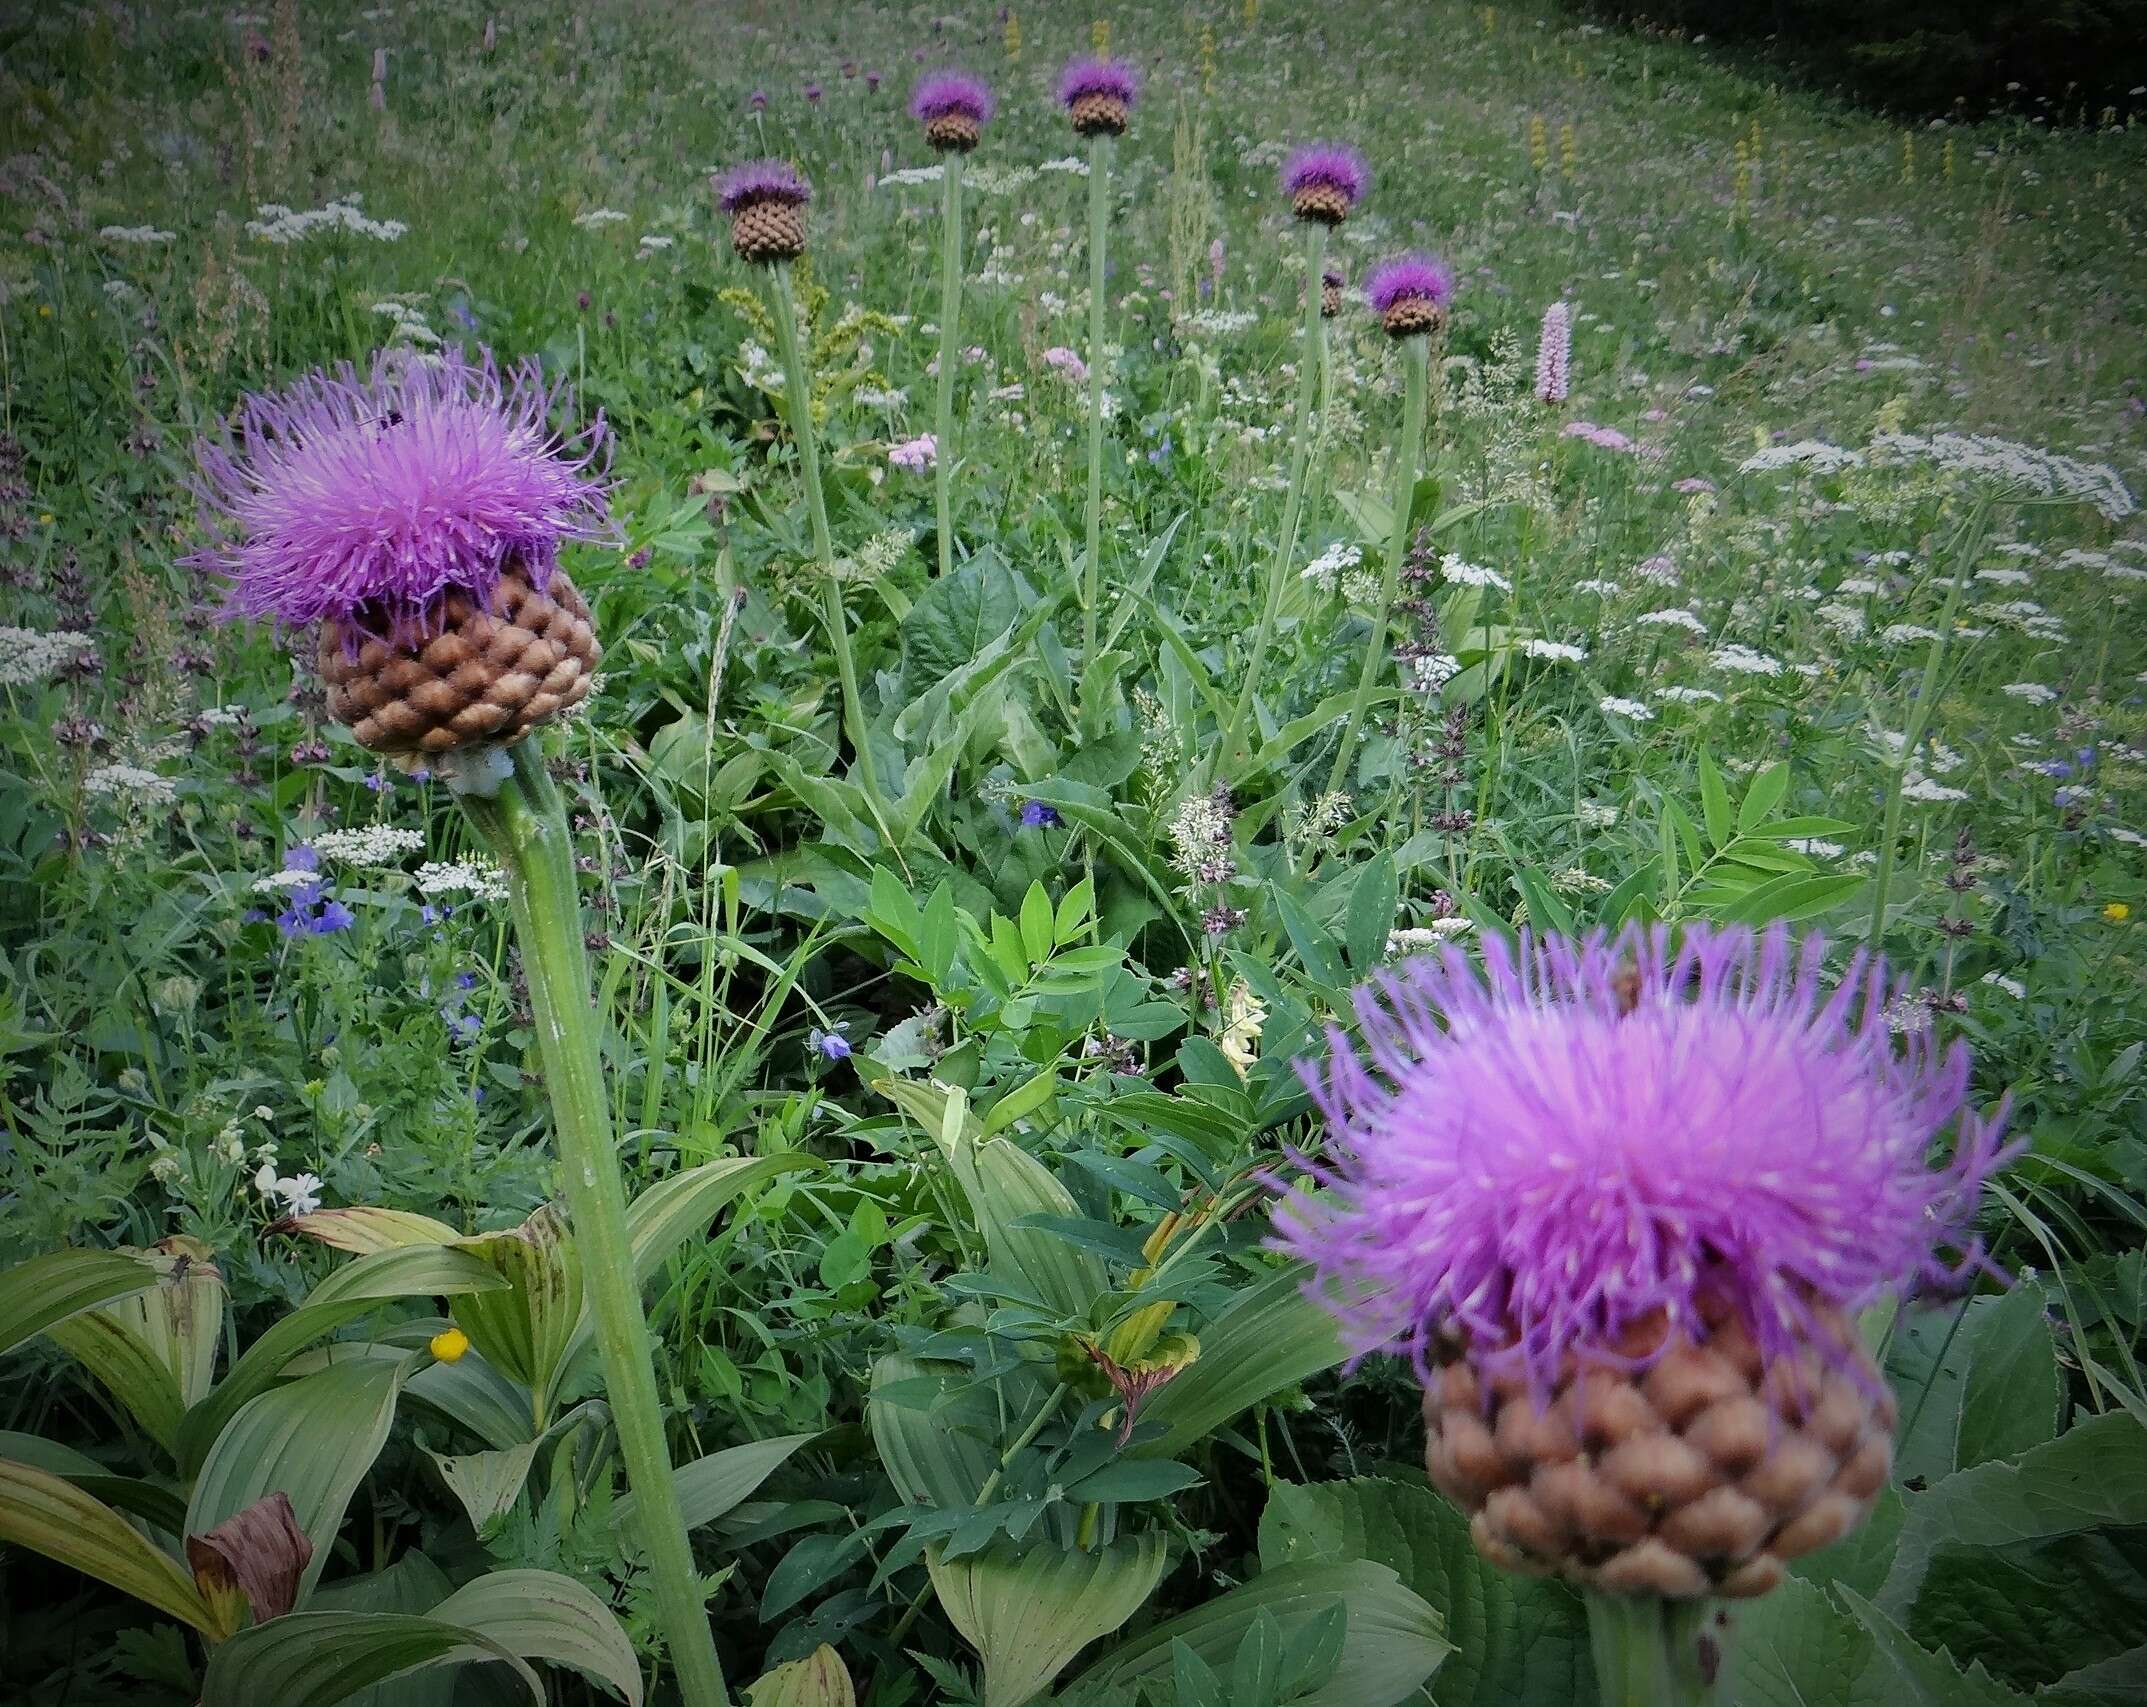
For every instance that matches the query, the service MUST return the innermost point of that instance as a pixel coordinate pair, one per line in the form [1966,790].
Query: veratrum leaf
[935,1455]
[48,1289]
[44,1514]
[417,1271]
[817,1680]
[1005,1184]
[155,1351]
[1518,1641]
[1028,1610]
[712,1487]
[1270,1337]
[1393,1643]
[312,1440]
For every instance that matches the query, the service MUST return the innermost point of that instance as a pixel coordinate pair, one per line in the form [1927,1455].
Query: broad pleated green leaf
[934,1454]
[35,1295]
[1028,1610]
[414,1271]
[46,1514]
[712,1487]
[1271,1337]
[313,1440]
[818,1680]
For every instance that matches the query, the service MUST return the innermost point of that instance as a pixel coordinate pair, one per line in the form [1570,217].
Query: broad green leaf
[2091,1477]
[2119,1682]
[1004,1185]
[1796,1648]
[1373,901]
[1920,1678]
[487,1483]
[957,616]
[356,1289]
[1762,797]
[1022,1101]
[818,1680]
[525,1332]
[46,1514]
[312,1440]
[1518,1641]
[35,1295]
[1270,1337]
[2014,1389]
[155,1350]
[2030,1613]
[711,1487]
[1393,1643]
[364,1230]
[1547,910]
[316,1659]
[412,1584]
[1028,1610]
[126,1366]
[1714,801]
[939,1452]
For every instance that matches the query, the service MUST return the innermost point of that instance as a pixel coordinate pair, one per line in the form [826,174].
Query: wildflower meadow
[1145,856]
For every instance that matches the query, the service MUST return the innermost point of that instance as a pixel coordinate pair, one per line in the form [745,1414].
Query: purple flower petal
[946,93]
[1091,76]
[1327,165]
[762,181]
[1415,274]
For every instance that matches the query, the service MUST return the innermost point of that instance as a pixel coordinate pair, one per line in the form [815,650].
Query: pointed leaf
[818,1680]
[1270,1337]
[1028,1611]
[364,1230]
[48,1289]
[45,1514]
[712,1487]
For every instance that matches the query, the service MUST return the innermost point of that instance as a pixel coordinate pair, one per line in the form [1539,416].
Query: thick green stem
[1099,208]
[798,404]
[1416,358]
[1968,547]
[526,827]
[950,313]
[1310,359]
[1651,1652]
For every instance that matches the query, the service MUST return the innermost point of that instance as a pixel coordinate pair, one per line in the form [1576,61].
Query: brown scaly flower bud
[766,201]
[954,109]
[1098,95]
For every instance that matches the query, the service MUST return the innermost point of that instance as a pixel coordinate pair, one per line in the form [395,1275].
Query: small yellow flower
[2117,912]
[448,1347]
[44,311]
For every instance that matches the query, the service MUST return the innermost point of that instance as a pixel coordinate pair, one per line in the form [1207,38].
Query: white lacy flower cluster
[28,655]
[275,223]
[1218,322]
[143,234]
[599,217]
[368,844]
[478,879]
[2020,467]
[1815,454]
[131,786]
[1464,574]
[1329,569]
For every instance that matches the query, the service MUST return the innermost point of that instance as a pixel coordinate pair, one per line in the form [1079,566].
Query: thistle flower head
[1327,166]
[1089,75]
[763,181]
[1585,1138]
[367,497]
[952,94]
[1416,276]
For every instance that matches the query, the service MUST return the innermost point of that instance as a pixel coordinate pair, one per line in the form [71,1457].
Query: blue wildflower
[1035,815]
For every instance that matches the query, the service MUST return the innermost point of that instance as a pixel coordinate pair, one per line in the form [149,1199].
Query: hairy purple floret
[367,497]
[942,93]
[762,181]
[1328,165]
[1416,274]
[1553,1143]
[1091,76]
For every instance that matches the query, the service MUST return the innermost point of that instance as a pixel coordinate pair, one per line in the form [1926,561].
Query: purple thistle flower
[368,498]
[1329,166]
[763,181]
[1088,75]
[1587,1134]
[1416,275]
[945,94]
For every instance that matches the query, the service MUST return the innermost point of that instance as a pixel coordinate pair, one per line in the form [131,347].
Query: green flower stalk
[415,512]
[954,109]
[1410,295]
[1324,183]
[766,202]
[1098,95]
[1652,1652]
[525,825]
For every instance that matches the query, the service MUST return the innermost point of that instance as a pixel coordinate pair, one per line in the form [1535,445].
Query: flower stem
[1968,546]
[1310,359]
[798,404]
[1416,358]
[950,311]
[1651,1652]
[1099,207]
[526,826]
